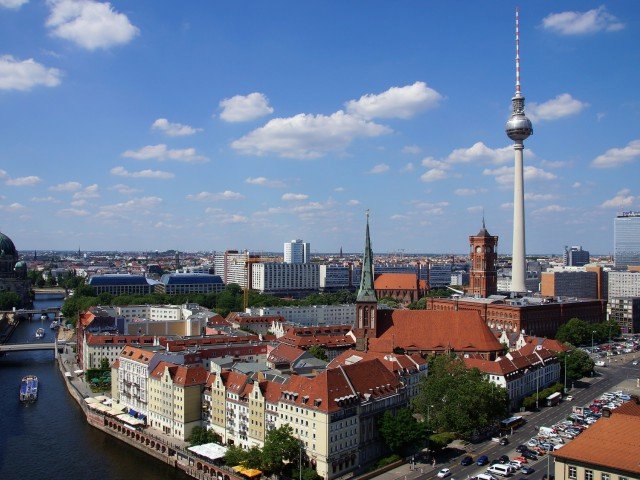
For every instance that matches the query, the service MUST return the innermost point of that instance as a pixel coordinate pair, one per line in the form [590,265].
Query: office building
[122,284]
[297,251]
[575,256]
[623,284]
[569,283]
[625,311]
[234,267]
[626,239]
[177,283]
[285,278]
[310,316]
[335,277]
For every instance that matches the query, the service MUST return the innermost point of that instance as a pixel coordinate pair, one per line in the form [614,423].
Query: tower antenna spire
[517,51]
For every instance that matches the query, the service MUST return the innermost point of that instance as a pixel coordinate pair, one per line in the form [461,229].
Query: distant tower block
[518,129]
[483,280]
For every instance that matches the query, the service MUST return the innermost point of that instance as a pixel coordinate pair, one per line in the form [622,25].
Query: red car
[521,459]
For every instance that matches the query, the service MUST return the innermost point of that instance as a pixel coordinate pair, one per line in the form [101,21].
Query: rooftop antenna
[517,51]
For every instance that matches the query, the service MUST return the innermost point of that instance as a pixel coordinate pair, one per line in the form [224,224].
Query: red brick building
[402,287]
[483,279]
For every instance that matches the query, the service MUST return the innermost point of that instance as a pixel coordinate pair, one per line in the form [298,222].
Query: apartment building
[624,284]
[625,311]
[234,266]
[285,278]
[97,347]
[175,398]
[131,380]
[310,316]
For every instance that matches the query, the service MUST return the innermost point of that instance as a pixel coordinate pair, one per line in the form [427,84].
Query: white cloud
[539,197]
[26,74]
[78,203]
[294,197]
[576,185]
[209,197]
[399,216]
[3,174]
[307,136]
[433,174]
[245,108]
[174,129]
[162,153]
[431,162]
[507,206]
[156,174]
[614,157]
[397,102]
[550,209]
[581,23]
[563,105]
[411,149]
[475,209]
[353,203]
[265,182]
[24,181]
[141,206]
[72,212]
[14,207]
[66,187]
[124,189]
[222,217]
[466,192]
[48,199]
[504,175]
[88,192]
[622,199]
[13,4]
[409,167]
[479,152]
[380,168]
[89,24]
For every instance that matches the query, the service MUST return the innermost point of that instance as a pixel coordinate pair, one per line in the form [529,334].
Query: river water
[50,438]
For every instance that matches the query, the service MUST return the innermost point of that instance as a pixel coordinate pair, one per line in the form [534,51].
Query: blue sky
[211,125]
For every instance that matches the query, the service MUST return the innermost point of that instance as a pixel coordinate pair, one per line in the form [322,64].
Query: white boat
[44,316]
[55,325]
[40,333]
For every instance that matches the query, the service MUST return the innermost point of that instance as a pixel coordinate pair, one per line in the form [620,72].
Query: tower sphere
[518,126]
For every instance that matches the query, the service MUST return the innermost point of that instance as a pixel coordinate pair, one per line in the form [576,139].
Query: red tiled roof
[271,391]
[397,281]
[93,339]
[610,444]
[136,354]
[189,375]
[394,362]
[284,353]
[235,381]
[430,330]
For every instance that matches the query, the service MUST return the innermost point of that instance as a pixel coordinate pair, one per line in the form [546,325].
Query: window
[588,475]
[605,476]
[573,473]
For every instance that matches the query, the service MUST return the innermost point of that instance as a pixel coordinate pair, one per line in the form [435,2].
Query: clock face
[478,249]
[489,249]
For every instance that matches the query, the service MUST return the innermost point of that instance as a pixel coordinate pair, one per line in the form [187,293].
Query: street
[605,380]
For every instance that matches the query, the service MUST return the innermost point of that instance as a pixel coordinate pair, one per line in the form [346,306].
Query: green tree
[575,331]
[9,300]
[200,435]
[579,364]
[318,352]
[84,291]
[459,400]
[254,458]
[390,302]
[104,364]
[234,456]
[280,446]
[401,430]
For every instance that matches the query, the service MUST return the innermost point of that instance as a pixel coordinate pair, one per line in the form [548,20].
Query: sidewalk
[406,472]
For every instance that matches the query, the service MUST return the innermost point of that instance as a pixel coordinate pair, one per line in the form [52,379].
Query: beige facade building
[175,398]
[132,378]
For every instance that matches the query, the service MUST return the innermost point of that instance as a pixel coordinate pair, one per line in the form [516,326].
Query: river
[50,438]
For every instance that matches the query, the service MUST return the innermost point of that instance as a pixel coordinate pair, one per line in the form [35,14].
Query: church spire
[366,293]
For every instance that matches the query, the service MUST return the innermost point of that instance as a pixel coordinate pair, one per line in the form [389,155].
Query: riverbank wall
[156,446]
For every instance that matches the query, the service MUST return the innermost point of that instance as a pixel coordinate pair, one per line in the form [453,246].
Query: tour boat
[40,333]
[29,388]
[55,325]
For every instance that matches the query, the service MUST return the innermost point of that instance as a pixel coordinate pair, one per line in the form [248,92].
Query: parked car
[445,472]
[521,448]
[529,455]
[527,470]
[482,460]
[466,461]
[569,398]
[503,459]
[504,441]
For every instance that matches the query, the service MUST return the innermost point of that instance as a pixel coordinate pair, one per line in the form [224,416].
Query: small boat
[44,316]
[40,333]
[29,389]
[55,325]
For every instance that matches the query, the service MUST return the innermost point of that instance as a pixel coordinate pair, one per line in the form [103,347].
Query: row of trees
[9,300]
[578,332]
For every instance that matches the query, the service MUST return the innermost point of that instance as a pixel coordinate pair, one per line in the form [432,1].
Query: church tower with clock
[483,280]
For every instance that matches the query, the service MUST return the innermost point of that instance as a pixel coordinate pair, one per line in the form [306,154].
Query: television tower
[518,129]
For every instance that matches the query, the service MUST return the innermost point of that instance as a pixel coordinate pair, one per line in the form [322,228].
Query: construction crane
[247,262]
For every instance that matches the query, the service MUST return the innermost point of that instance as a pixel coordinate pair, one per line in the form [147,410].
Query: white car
[569,398]
[635,362]
[445,472]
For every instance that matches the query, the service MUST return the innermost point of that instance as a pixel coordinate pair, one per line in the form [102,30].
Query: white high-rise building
[234,267]
[285,278]
[297,251]
[518,129]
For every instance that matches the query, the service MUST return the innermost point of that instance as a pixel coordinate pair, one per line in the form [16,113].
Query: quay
[165,449]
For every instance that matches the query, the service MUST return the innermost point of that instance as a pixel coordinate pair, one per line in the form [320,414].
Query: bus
[554,399]
[509,424]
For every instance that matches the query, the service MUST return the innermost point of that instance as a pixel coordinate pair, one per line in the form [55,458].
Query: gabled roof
[137,354]
[181,375]
[611,443]
[393,362]
[431,330]
[398,281]
[285,353]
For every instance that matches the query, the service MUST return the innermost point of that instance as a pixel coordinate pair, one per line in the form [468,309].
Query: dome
[518,127]
[20,265]
[7,248]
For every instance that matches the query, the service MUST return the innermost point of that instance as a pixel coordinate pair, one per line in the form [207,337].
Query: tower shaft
[518,257]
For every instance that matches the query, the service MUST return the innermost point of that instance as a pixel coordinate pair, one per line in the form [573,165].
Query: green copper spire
[366,293]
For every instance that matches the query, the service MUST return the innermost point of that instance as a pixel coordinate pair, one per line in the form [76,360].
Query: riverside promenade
[164,448]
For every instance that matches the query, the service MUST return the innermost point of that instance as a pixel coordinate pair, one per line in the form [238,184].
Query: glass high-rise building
[297,251]
[626,239]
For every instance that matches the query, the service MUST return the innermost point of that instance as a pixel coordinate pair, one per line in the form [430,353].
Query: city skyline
[144,127]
